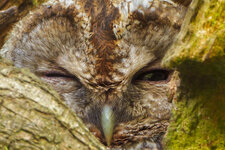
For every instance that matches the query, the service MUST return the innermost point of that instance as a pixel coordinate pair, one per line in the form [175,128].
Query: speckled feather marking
[94,50]
[112,56]
[103,39]
[110,21]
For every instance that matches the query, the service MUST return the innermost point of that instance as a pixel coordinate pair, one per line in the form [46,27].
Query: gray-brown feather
[98,47]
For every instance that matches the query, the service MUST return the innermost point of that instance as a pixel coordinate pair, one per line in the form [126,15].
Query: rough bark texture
[33,117]
[198,120]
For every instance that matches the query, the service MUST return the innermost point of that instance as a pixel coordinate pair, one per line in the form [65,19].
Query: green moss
[32,2]
[205,37]
[197,124]
[198,120]
[37,2]
[5,148]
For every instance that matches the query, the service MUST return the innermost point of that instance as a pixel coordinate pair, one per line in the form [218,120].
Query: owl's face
[104,59]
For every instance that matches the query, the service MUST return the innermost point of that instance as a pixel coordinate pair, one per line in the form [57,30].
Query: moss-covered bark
[198,120]
[33,117]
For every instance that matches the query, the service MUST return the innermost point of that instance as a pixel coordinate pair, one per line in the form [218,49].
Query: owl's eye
[154,75]
[61,80]
[56,75]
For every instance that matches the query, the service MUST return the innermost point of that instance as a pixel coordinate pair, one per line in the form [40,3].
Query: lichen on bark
[198,120]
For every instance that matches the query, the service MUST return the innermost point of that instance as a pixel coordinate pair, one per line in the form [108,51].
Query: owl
[104,57]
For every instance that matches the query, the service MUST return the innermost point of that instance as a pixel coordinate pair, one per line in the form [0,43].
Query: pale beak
[107,122]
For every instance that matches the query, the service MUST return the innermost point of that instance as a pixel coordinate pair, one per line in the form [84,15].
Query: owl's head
[104,58]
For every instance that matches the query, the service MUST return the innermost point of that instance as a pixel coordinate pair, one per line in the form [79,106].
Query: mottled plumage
[99,53]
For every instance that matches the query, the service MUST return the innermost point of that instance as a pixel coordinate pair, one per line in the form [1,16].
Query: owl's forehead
[163,9]
[123,36]
[118,37]
[107,41]
[128,5]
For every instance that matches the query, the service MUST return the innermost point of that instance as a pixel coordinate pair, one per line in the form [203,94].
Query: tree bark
[198,120]
[32,116]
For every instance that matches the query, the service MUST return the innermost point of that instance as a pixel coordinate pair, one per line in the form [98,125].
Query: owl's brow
[102,15]
[155,64]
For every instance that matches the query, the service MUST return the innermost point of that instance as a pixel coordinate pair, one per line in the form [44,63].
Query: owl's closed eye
[104,59]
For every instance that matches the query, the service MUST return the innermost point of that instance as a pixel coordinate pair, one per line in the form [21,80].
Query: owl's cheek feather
[132,133]
[136,134]
[96,132]
[140,113]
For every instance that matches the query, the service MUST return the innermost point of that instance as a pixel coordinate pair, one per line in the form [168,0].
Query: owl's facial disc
[104,59]
[106,116]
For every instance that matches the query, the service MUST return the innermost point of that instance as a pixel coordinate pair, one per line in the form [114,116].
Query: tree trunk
[198,120]
[32,116]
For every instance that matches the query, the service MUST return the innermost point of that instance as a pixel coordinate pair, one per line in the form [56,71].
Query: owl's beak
[107,122]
